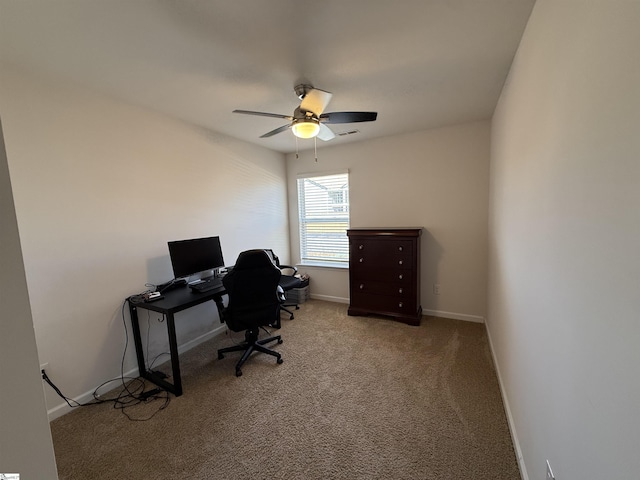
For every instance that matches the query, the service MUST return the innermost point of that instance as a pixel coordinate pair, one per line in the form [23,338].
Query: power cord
[133,391]
[129,396]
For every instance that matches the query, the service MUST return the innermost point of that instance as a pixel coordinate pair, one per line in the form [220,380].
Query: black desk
[174,301]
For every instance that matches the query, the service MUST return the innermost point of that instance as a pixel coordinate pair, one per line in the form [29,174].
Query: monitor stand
[203,276]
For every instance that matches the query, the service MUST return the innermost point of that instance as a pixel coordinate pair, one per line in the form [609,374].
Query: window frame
[335,254]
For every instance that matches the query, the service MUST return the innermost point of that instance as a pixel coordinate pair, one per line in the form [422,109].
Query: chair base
[277,324]
[250,345]
[283,307]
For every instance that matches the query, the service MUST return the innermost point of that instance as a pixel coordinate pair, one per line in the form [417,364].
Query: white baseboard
[63,408]
[454,316]
[202,338]
[505,401]
[329,298]
[435,313]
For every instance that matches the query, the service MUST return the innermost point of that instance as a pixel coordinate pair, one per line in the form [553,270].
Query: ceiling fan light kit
[305,128]
[308,119]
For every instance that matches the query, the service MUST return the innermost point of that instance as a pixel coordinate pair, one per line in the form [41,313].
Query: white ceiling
[420,64]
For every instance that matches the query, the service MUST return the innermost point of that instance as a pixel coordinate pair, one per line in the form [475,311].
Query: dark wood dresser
[384,273]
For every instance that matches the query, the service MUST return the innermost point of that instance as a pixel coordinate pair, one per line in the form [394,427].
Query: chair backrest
[252,287]
[274,258]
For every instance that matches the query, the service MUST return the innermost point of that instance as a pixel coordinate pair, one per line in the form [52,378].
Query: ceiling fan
[309,120]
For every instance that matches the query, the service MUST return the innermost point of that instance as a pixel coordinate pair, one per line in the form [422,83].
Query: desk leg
[220,305]
[176,387]
[173,349]
[137,339]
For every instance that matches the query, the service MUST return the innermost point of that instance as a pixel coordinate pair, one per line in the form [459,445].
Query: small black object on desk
[171,285]
[153,298]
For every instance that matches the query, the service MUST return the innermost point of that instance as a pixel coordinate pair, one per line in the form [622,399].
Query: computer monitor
[196,255]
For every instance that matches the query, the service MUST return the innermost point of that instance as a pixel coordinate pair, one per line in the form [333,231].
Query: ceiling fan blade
[325,133]
[348,117]
[264,114]
[315,101]
[276,131]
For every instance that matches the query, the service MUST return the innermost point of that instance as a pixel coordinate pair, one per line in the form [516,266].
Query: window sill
[338,266]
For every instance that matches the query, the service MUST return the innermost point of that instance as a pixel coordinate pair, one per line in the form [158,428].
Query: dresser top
[390,231]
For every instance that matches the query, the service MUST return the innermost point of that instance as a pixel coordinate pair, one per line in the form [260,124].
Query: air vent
[350,132]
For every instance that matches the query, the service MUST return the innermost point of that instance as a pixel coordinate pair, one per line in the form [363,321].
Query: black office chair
[287,282]
[254,301]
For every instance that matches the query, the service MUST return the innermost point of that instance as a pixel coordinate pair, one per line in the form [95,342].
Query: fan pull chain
[296,146]
[315,148]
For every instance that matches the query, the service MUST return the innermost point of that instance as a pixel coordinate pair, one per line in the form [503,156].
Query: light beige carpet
[356,398]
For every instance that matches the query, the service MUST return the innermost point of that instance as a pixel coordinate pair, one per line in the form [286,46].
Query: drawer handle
[361,260]
[362,286]
[400,304]
[399,262]
[400,277]
[361,247]
[399,290]
[400,248]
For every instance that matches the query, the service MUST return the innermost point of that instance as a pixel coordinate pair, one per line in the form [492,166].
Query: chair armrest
[284,267]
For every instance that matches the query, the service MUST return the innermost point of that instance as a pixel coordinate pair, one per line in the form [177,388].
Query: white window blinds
[323,208]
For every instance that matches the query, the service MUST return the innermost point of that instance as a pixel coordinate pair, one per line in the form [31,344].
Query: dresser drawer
[383,304]
[401,291]
[398,276]
[382,260]
[360,245]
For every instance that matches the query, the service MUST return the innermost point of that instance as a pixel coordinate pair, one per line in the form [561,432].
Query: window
[323,209]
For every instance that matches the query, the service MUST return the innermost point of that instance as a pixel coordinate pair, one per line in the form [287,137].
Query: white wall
[99,188]
[564,288]
[25,438]
[436,179]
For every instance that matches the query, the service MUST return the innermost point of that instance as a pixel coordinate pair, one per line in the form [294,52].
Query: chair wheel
[220,356]
[238,373]
[279,340]
[291,317]
[280,360]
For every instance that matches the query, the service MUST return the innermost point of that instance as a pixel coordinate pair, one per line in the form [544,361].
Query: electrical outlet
[436,289]
[549,472]
[43,367]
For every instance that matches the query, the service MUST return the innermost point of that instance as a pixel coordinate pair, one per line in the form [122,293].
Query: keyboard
[207,285]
